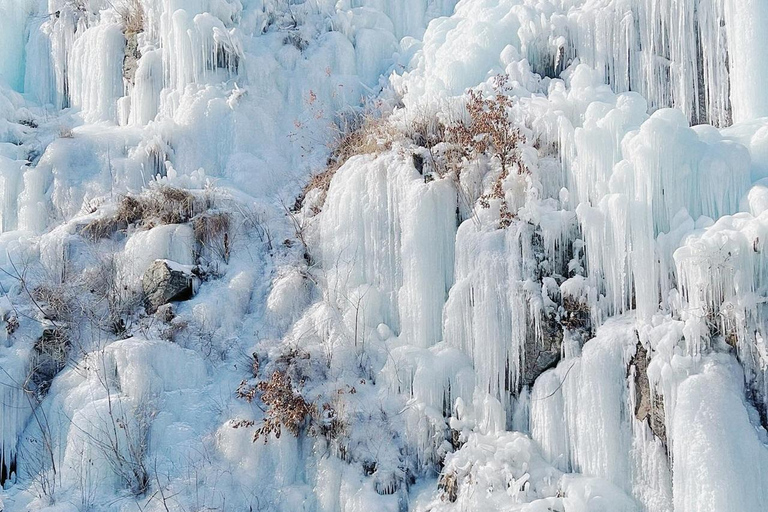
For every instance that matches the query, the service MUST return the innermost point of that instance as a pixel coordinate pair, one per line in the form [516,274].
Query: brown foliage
[286,407]
[449,485]
[372,135]
[576,315]
[165,205]
[131,14]
[491,132]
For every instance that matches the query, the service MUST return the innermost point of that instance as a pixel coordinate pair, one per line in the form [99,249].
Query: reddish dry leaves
[490,132]
[286,408]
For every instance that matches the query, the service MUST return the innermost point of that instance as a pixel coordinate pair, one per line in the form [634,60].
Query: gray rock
[49,358]
[541,355]
[165,282]
[132,56]
[647,405]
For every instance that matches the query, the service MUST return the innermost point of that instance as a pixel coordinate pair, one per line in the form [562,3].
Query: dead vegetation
[364,135]
[449,486]
[131,13]
[286,407]
[575,315]
[56,302]
[50,356]
[212,232]
[486,130]
[489,131]
[161,206]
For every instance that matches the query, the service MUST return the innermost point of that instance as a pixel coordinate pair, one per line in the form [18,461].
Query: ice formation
[574,323]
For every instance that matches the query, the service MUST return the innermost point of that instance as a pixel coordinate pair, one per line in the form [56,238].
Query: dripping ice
[604,350]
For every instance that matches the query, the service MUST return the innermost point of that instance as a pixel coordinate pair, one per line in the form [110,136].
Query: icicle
[15,405]
[747,23]
[96,72]
[145,97]
[13,20]
[385,229]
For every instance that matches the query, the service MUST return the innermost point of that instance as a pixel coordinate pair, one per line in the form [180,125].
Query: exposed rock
[449,485]
[132,56]
[50,357]
[166,281]
[646,404]
[541,355]
[418,162]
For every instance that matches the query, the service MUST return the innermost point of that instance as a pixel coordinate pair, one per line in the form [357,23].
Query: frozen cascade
[13,14]
[673,52]
[580,419]
[16,405]
[376,231]
[747,57]
[651,190]
[486,315]
[585,333]
[95,74]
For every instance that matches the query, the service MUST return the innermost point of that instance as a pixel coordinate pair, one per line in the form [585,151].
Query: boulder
[167,281]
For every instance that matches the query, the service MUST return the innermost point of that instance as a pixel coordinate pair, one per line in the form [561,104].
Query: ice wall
[381,227]
[409,284]
[14,14]
[748,57]
[95,72]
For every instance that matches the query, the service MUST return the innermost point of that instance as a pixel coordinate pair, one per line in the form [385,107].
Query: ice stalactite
[13,19]
[734,460]
[577,412]
[670,173]
[722,285]
[748,57]
[486,314]
[409,18]
[10,173]
[581,418]
[96,72]
[197,48]
[673,52]
[49,49]
[147,88]
[434,380]
[381,223]
[15,400]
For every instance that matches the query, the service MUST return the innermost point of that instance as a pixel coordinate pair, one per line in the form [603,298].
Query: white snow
[468,340]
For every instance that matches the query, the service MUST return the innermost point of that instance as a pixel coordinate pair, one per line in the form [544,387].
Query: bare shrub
[50,356]
[286,407]
[131,14]
[172,205]
[213,232]
[163,205]
[124,444]
[109,304]
[489,131]
[131,210]
[56,301]
[576,314]
[364,135]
